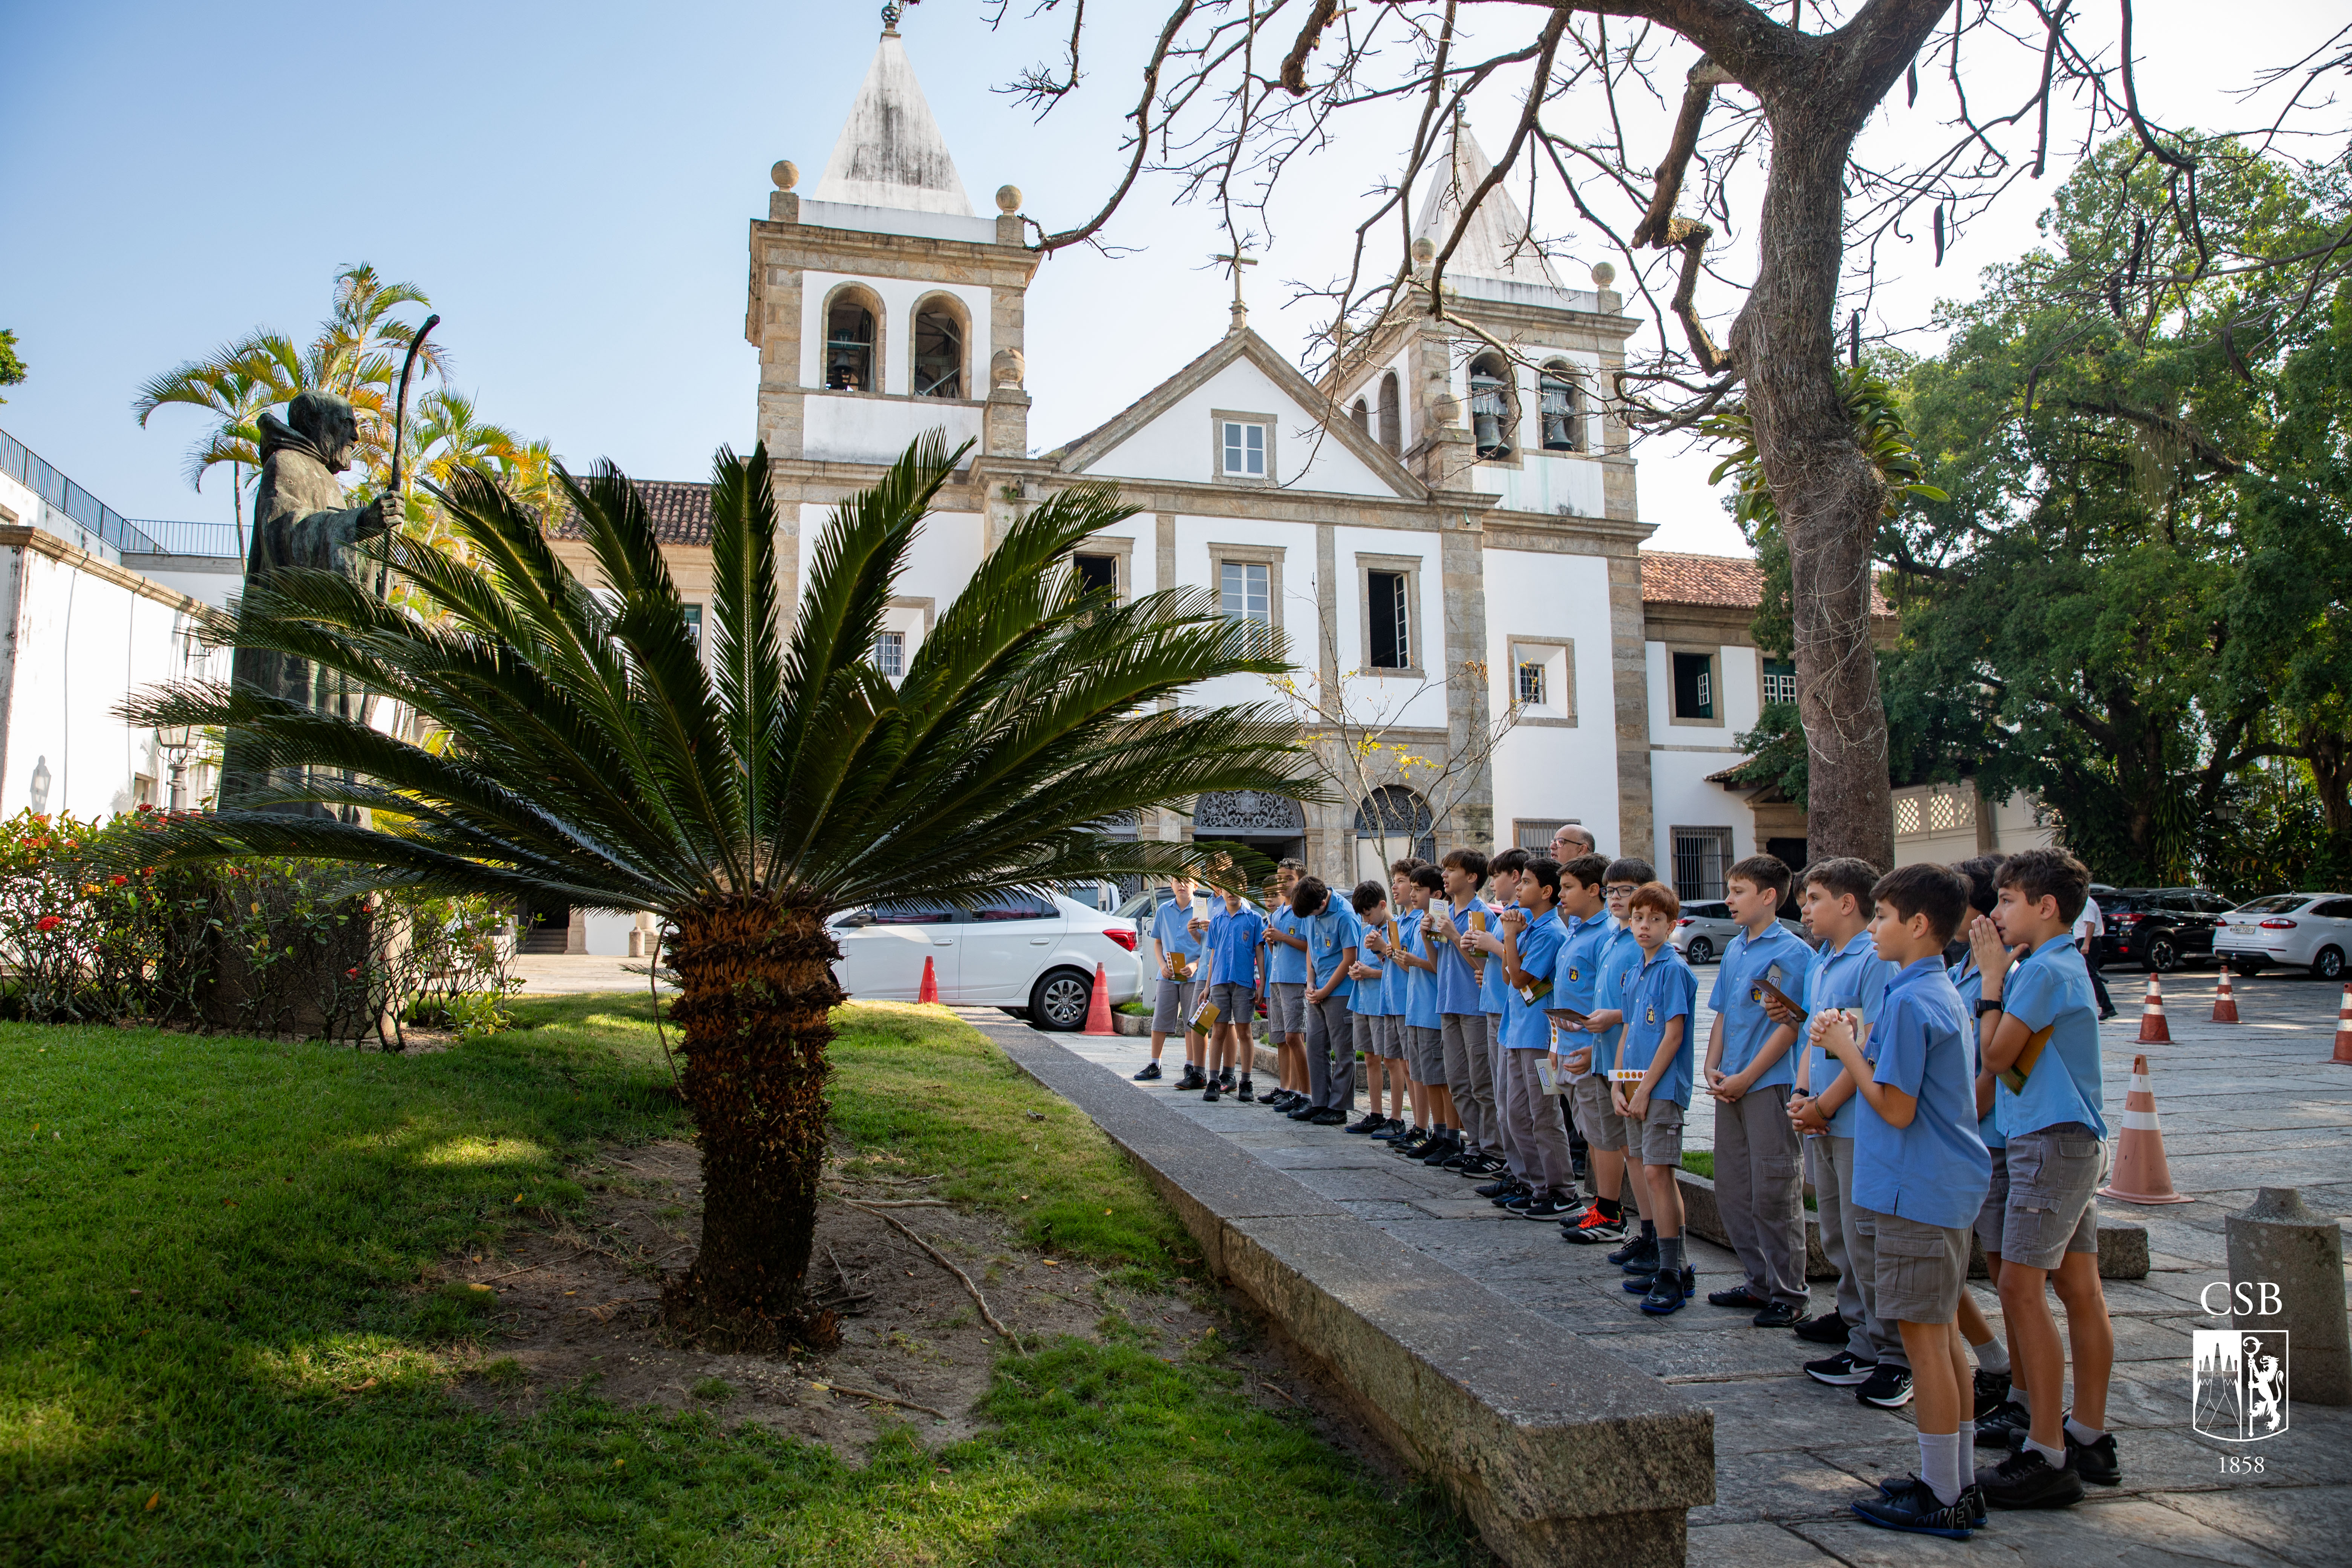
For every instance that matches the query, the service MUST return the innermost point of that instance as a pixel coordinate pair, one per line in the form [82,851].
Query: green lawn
[211,1246]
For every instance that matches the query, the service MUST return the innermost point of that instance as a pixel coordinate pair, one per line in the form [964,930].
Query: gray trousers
[1330,1055]
[1853,1254]
[1537,1139]
[1497,1072]
[1470,1073]
[1760,1191]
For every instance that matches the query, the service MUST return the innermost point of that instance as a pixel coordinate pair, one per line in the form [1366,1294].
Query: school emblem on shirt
[1768,982]
[1650,1016]
[2237,1380]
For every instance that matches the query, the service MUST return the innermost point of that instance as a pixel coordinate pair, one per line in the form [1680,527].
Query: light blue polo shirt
[1775,955]
[1420,984]
[1663,991]
[1328,934]
[1968,981]
[1457,977]
[1286,965]
[1232,945]
[1370,997]
[1853,976]
[1576,974]
[1491,989]
[1935,1170]
[2052,990]
[1170,930]
[1621,961]
[1527,1026]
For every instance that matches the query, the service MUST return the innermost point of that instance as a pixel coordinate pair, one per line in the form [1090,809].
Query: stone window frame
[1714,656]
[1728,854]
[872,300]
[1563,715]
[1122,552]
[963,314]
[1267,555]
[1218,419]
[1417,667]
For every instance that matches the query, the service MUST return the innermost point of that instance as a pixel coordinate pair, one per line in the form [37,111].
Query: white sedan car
[1021,952]
[2312,931]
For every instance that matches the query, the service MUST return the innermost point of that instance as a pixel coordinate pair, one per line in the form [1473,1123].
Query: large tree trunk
[756,993]
[1828,492]
[2330,756]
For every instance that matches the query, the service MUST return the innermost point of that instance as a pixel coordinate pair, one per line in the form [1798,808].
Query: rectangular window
[1390,620]
[1245,448]
[890,653]
[1245,592]
[1532,684]
[1780,681]
[694,622]
[1098,573]
[1702,855]
[1533,834]
[1693,686]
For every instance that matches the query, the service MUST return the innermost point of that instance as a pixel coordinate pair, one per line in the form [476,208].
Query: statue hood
[277,436]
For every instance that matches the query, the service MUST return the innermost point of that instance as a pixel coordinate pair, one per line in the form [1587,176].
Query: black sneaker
[2095,1462]
[1549,1208]
[1209,1095]
[1829,1328]
[1390,1130]
[1225,1079]
[1192,1079]
[1482,1164]
[1635,1250]
[1915,1508]
[1442,1150]
[1372,1121]
[1458,1157]
[1495,1189]
[1840,1371]
[1739,1296]
[1971,1497]
[2003,1427]
[1303,1110]
[1591,1228]
[1512,1194]
[1781,1315]
[1329,1116]
[1887,1387]
[2027,1480]
[1411,1145]
[1151,1073]
[1992,1392]
[1246,1094]
[1642,1284]
[1666,1293]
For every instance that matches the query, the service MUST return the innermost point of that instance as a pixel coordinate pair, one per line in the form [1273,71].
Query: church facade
[1443,529]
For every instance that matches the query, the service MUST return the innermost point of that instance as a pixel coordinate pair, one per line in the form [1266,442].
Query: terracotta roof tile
[680,508]
[1729,582]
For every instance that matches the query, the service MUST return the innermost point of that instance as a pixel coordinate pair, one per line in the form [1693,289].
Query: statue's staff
[399,433]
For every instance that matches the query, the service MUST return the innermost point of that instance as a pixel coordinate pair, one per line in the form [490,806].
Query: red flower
[352,973]
[122,881]
[49,923]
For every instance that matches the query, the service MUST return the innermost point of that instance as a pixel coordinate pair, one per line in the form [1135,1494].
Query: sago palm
[597,758]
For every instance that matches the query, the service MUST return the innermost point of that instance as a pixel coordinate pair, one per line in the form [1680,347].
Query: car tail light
[1687,921]
[1123,936]
[2278,925]
[2131,919]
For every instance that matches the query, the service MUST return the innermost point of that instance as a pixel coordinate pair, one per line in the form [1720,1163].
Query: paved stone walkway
[2252,1105]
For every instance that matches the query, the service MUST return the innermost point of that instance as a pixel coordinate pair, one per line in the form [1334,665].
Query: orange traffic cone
[929,990]
[2152,1031]
[1099,1005]
[2343,1028]
[2225,1005]
[2140,1176]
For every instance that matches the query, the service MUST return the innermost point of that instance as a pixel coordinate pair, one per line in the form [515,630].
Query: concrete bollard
[2278,1240]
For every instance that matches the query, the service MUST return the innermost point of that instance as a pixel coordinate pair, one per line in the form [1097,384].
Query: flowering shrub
[263,946]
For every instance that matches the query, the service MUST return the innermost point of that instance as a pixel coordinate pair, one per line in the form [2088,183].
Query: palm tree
[234,388]
[595,759]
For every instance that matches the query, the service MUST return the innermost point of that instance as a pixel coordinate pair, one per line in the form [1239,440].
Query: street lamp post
[177,741]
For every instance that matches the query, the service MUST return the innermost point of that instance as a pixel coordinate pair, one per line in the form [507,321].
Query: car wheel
[1700,951]
[2162,956]
[2328,963]
[1059,999]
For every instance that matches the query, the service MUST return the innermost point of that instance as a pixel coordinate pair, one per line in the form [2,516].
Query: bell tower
[881,304]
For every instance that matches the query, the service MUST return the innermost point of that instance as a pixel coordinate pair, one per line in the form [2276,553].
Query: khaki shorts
[1173,1006]
[1662,1133]
[1286,1006]
[2052,1175]
[1425,1054]
[1994,1216]
[1920,1266]
[1595,1117]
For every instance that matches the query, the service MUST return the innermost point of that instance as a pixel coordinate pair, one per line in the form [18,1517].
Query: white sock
[2022,1396]
[1967,1439]
[1939,1464]
[1992,1356]
[2057,1457]
[2083,1434]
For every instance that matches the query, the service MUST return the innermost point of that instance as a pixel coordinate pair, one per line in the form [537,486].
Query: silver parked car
[2311,930]
[1706,927]
[1018,950]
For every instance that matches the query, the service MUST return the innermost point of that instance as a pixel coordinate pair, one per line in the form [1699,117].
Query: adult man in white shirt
[2089,926]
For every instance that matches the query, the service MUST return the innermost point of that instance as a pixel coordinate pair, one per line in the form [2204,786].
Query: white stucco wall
[1683,753]
[1546,770]
[870,429]
[1181,443]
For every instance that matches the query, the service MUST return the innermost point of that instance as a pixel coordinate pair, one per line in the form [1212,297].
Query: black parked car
[2160,928]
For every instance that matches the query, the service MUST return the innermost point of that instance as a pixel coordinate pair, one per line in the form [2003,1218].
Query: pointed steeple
[1493,246]
[890,152]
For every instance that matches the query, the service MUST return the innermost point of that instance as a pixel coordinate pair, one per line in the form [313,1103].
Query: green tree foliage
[2129,599]
[12,368]
[596,757]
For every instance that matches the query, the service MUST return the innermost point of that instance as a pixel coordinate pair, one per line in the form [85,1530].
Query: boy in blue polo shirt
[1994,1411]
[1920,1176]
[1485,947]
[1847,974]
[1286,986]
[1462,1027]
[1750,1071]
[1415,887]
[1375,1024]
[1657,1044]
[1333,933]
[1236,935]
[1179,978]
[1532,939]
[1614,1198]
[1576,983]
[2046,1051]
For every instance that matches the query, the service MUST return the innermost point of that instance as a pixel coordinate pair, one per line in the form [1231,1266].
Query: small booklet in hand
[1775,994]
[1205,1017]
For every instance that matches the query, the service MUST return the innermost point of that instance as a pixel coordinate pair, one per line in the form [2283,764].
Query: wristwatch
[1992,1007]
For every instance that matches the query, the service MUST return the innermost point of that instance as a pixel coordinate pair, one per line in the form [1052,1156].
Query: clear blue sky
[571,183]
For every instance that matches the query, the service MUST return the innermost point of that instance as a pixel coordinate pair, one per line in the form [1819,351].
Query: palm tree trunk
[756,998]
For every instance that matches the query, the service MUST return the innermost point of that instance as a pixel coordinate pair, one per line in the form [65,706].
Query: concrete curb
[2123,1249]
[1562,1453]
